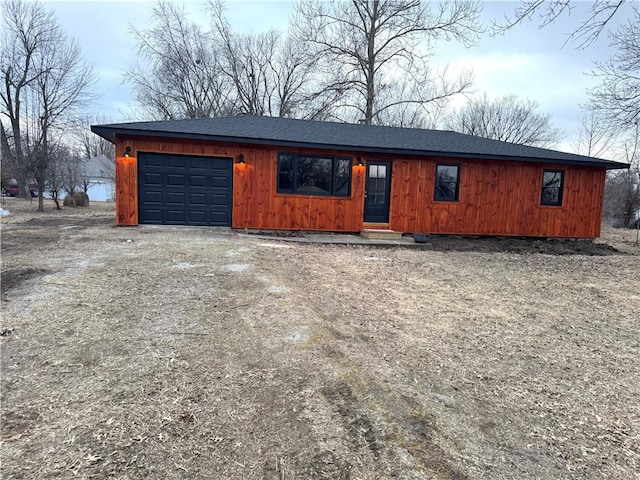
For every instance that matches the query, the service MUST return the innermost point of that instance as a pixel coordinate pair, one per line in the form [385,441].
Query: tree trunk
[42,161]
[20,166]
[41,187]
[371,66]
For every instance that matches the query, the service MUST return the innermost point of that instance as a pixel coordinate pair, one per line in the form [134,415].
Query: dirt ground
[159,352]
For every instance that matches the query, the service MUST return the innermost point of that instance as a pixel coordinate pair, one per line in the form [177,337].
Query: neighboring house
[274,173]
[99,173]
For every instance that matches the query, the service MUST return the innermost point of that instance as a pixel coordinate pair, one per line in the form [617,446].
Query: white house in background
[100,172]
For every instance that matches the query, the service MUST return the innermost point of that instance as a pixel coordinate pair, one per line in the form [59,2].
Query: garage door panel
[217,182]
[220,199]
[198,181]
[175,179]
[198,217]
[175,198]
[154,162]
[177,161]
[152,197]
[152,179]
[200,163]
[197,199]
[184,189]
[176,215]
[217,219]
[153,216]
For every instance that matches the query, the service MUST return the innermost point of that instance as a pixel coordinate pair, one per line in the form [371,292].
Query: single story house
[275,173]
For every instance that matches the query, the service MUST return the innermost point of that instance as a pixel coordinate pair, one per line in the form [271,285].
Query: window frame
[560,188]
[435,183]
[334,174]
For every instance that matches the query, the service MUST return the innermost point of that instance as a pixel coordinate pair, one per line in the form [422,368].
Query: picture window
[314,175]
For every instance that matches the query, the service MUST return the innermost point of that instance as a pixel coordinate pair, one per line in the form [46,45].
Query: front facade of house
[276,182]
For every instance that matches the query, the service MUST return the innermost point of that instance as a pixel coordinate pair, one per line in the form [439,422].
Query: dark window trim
[560,188]
[334,160]
[435,182]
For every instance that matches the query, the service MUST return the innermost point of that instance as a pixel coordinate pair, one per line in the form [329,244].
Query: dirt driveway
[158,352]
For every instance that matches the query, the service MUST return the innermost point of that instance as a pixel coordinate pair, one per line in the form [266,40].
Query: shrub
[79,199]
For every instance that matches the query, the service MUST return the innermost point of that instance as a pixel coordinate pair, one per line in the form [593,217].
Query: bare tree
[45,82]
[415,114]
[366,47]
[179,75]
[548,11]
[62,88]
[271,73]
[507,118]
[72,166]
[247,61]
[91,144]
[617,98]
[65,173]
[622,190]
[595,137]
[55,179]
[27,31]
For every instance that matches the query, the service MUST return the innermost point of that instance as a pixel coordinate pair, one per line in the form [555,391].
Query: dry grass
[22,211]
[189,353]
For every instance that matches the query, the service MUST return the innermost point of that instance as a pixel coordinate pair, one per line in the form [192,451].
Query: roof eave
[110,133]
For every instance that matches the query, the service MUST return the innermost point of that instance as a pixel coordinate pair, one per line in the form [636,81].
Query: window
[447,182]
[377,185]
[552,186]
[314,175]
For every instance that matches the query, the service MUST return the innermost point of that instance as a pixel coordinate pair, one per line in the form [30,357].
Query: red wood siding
[496,198]
[256,203]
[126,190]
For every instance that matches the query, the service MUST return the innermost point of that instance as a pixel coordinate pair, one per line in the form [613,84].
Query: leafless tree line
[352,61]
[622,187]
[44,79]
[506,118]
[366,61]
[622,193]
[611,127]
[45,86]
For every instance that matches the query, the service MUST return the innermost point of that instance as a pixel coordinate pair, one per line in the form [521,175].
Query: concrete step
[377,234]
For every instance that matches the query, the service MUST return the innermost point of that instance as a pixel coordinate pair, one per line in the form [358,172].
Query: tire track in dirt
[387,430]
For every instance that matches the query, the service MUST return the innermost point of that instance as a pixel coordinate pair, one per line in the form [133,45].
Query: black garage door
[184,189]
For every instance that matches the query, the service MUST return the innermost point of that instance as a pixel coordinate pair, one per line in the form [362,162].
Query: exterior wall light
[127,151]
[241,159]
[360,161]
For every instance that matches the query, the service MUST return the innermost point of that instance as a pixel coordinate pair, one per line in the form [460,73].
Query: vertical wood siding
[256,203]
[496,198]
[126,191]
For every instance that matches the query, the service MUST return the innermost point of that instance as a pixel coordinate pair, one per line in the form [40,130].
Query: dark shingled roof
[346,136]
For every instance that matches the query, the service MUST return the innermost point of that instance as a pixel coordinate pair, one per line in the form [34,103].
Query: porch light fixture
[241,159]
[359,161]
[127,151]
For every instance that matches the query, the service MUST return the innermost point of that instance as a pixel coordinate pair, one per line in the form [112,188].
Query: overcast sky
[526,61]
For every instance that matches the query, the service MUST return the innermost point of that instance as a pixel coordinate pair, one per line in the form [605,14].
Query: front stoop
[376,234]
